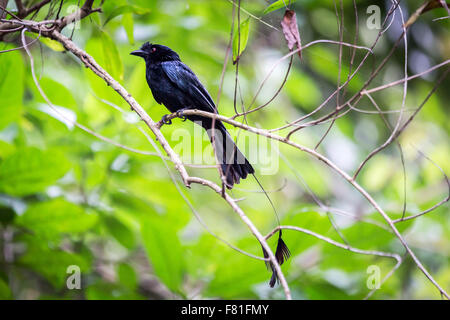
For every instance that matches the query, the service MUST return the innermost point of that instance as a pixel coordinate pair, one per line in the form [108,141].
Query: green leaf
[103,290]
[310,220]
[235,274]
[325,62]
[5,292]
[338,258]
[52,44]
[277,5]
[31,170]
[127,276]
[322,290]
[53,218]
[5,149]
[368,236]
[131,202]
[106,54]
[164,250]
[52,263]
[126,9]
[377,174]
[57,93]
[120,232]
[240,42]
[303,90]
[11,86]
[127,22]
[7,214]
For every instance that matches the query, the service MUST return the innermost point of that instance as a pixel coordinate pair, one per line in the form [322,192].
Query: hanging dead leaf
[430,5]
[435,4]
[290,30]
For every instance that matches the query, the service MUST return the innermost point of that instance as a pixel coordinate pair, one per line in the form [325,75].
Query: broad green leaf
[52,44]
[142,203]
[127,276]
[127,22]
[129,201]
[320,290]
[325,62]
[5,149]
[323,20]
[364,235]
[401,226]
[112,59]
[52,263]
[52,218]
[5,292]
[57,93]
[11,86]
[377,173]
[334,257]
[126,9]
[368,236]
[302,90]
[164,250]
[309,220]
[240,42]
[103,290]
[106,54]
[277,5]
[235,274]
[7,214]
[31,170]
[120,232]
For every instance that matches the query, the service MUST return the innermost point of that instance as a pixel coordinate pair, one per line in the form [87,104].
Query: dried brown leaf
[434,4]
[290,31]
[430,5]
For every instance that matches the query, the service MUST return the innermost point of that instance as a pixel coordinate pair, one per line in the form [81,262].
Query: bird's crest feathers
[159,53]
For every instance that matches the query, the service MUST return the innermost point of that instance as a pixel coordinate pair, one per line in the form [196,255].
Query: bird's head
[153,53]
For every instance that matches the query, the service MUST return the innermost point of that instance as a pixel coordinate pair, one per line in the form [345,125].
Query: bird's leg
[180,114]
[164,119]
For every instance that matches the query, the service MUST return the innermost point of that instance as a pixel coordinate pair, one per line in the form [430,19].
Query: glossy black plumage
[175,85]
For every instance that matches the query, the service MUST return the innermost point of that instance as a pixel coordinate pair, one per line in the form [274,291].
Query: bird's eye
[153,49]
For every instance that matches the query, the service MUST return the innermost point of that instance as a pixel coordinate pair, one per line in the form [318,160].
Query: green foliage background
[68,198]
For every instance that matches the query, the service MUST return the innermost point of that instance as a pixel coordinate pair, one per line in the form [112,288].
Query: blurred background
[70,199]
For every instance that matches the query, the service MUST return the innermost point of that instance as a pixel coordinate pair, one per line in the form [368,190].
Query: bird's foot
[181,115]
[164,119]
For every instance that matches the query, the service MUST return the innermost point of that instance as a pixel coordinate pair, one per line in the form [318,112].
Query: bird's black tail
[282,253]
[233,163]
[235,167]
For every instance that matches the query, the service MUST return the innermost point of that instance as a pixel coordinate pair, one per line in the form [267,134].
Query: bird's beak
[139,53]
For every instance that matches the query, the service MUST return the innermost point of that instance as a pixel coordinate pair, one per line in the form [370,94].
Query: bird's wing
[184,79]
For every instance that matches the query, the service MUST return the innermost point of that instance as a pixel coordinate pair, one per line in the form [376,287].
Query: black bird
[175,86]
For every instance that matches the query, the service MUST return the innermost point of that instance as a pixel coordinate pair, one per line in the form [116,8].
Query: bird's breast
[163,90]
